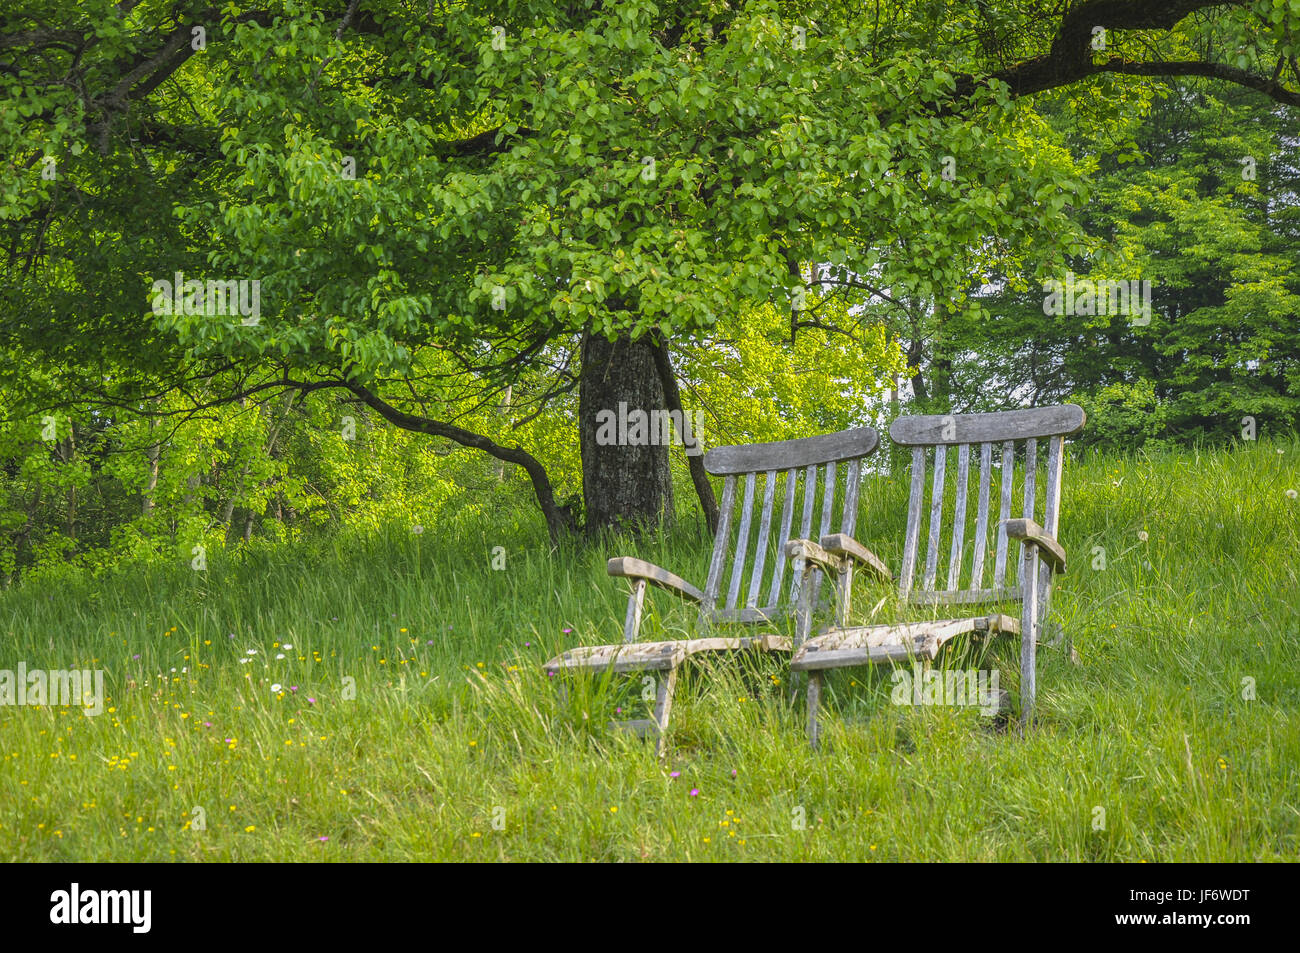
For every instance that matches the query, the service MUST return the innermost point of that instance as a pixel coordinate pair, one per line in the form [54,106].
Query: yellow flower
[249,829]
[613,810]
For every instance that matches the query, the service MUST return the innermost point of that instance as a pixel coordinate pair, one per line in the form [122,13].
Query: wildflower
[613,809]
[311,701]
[276,687]
[674,774]
[1291,494]
[323,838]
[136,655]
[695,792]
[251,652]
[1142,536]
[249,829]
[279,656]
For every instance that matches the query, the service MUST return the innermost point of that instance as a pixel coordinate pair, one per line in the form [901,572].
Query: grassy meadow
[413,720]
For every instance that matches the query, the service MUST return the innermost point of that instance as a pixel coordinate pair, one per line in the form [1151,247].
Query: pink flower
[323,838]
[674,774]
[695,792]
[311,701]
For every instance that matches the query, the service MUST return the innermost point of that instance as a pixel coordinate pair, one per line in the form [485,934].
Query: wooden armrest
[812,553]
[842,544]
[632,568]
[1048,548]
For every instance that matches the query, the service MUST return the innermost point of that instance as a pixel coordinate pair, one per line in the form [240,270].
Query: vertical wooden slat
[809,492]
[828,498]
[1052,501]
[936,518]
[913,538]
[632,621]
[787,516]
[853,484]
[1004,513]
[1051,518]
[1031,470]
[742,542]
[721,545]
[764,530]
[959,517]
[982,516]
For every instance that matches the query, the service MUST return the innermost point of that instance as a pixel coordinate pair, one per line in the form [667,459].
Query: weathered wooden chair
[827,466]
[1041,555]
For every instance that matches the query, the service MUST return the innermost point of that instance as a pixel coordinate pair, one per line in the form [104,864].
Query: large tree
[558,195]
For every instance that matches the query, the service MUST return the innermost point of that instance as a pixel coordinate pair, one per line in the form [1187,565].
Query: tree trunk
[505,412]
[695,461]
[152,453]
[626,481]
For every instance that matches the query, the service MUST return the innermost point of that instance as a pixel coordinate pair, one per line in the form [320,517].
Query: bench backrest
[812,476]
[1006,451]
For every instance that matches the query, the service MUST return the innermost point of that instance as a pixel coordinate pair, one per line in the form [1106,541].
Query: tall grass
[414,720]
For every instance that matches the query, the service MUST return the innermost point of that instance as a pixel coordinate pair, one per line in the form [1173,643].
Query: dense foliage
[794,205]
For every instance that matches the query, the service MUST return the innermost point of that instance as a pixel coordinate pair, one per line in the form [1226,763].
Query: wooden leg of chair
[814,701]
[1029,636]
[664,707]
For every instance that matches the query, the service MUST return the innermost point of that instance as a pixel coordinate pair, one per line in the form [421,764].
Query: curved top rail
[787,454]
[930,429]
